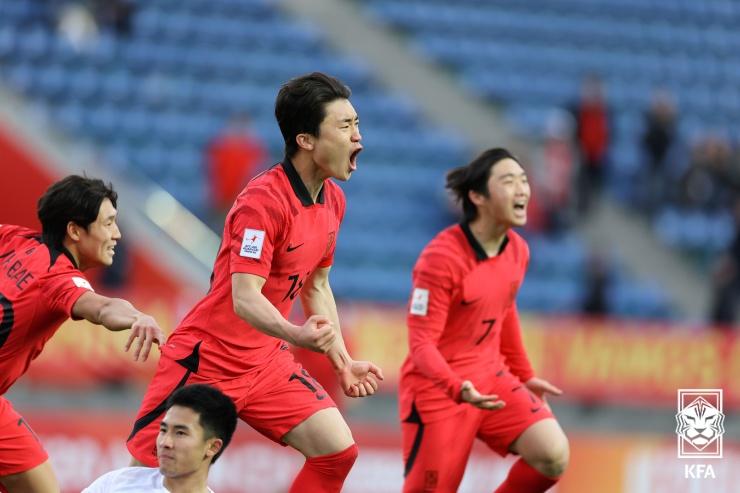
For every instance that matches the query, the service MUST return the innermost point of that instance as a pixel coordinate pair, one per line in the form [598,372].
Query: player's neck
[195,482]
[70,247]
[489,234]
[311,175]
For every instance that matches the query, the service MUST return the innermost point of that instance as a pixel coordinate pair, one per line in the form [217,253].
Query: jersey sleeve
[430,301]
[512,347]
[331,243]
[254,232]
[64,288]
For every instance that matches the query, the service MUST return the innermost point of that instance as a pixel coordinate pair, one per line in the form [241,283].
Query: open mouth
[520,206]
[353,159]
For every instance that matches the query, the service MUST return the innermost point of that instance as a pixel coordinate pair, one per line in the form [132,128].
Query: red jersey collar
[299,188]
[54,252]
[480,253]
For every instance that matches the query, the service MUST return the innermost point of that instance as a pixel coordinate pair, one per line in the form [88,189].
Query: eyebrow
[356,118]
[175,427]
[512,175]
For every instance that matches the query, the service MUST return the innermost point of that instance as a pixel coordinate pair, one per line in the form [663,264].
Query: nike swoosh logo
[534,409]
[291,247]
[463,302]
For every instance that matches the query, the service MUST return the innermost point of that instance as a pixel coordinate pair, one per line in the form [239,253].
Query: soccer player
[41,285]
[467,374]
[197,427]
[278,245]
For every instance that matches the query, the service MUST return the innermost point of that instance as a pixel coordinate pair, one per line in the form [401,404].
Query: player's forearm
[512,347]
[430,362]
[115,314]
[257,311]
[318,299]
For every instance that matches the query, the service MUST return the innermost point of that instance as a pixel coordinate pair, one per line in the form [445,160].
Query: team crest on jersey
[419,302]
[82,283]
[252,243]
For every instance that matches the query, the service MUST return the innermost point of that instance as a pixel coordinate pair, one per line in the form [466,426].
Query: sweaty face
[338,143]
[182,448]
[508,194]
[97,242]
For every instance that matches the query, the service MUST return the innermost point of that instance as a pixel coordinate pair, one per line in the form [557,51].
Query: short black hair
[216,412]
[474,176]
[300,106]
[74,198]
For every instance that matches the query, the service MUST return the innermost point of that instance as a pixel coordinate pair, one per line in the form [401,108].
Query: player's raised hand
[360,378]
[146,332]
[542,387]
[471,395]
[316,334]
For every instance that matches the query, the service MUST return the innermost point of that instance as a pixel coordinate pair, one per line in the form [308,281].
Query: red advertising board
[85,446]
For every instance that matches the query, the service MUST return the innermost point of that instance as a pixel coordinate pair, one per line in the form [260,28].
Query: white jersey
[130,480]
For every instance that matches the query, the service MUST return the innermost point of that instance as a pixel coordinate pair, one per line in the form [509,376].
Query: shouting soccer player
[41,286]
[467,374]
[278,245]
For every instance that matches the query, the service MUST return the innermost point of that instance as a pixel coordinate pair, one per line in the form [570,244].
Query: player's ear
[475,197]
[74,231]
[305,141]
[214,446]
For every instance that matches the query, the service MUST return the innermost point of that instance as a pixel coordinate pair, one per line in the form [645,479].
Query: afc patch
[419,302]
[82,283]
[252,243]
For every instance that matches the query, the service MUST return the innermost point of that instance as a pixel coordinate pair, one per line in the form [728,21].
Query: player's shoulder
[130,479]
[518,245]
[8,231]
[271,178]
[444,251]
[334,195]
[265,191]
[449,241]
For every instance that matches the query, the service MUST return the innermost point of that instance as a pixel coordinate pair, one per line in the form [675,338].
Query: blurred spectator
[597,285]
[233,157]
[593,138]
[76,24]
[726,280]
[657,141]
[116,15]
[708,181]
[555,174]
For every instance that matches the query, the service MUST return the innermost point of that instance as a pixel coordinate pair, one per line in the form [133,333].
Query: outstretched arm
[358,378]
[117,314]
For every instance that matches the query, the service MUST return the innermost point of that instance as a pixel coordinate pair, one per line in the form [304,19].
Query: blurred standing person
[726,280]
[41,285]
[467,374]
[233,158]
[593,137]
[555,182]
[278,245]
[197,427]
[657,141]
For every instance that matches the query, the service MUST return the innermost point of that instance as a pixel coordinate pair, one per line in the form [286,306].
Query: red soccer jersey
[276,231]
[38,288]
[462,321]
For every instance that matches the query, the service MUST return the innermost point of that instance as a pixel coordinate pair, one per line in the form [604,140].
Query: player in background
[467,374]
[278,245]
[41,285]
[197,427]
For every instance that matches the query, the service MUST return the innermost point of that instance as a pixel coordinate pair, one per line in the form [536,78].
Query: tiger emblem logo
[700,424]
